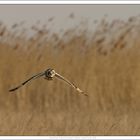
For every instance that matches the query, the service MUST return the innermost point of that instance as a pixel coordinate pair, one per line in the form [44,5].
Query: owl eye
[49,73]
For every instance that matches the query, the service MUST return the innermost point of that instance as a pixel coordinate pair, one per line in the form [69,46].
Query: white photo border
[69,2]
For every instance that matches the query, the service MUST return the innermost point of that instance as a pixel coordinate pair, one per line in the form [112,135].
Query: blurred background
[94,46]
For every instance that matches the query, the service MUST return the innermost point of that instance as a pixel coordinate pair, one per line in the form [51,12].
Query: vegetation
[106,67]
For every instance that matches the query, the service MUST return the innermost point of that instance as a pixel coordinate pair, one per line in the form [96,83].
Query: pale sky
[10,14]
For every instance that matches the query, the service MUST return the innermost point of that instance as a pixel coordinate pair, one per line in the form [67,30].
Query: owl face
[50,73]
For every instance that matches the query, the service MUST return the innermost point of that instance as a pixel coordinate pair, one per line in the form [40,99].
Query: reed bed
[106,67]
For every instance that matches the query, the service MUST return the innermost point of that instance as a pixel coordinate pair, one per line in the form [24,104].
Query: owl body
[48,78]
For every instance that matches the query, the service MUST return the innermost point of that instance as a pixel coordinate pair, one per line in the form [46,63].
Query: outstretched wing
[71,84]
[33,77]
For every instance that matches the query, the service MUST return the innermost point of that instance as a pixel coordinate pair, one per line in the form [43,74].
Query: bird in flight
[49,74]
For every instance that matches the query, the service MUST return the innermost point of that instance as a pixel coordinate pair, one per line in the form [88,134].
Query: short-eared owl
[49,74]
